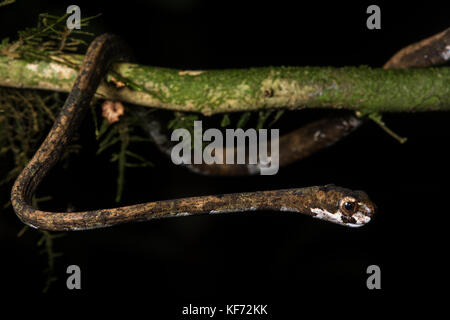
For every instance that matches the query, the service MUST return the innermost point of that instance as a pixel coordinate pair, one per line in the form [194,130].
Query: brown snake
[330,203]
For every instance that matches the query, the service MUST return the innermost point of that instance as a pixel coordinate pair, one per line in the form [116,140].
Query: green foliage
[6,2]
[50,40]
[225,121]
[243,119]
[25,116]
[46,241]
[186,120]
[378,119]
[264,116]
[120,137]
[183,120]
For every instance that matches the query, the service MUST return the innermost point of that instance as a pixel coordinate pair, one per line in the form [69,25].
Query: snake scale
[330,203]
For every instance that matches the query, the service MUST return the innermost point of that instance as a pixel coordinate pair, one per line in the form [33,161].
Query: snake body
[293,146]
[330,203]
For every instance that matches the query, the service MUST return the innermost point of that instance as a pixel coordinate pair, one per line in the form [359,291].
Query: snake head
[342,206]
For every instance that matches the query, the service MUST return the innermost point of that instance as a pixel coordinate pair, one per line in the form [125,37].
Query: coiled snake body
[330,203]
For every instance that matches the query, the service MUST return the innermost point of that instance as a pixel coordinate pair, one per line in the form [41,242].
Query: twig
[378,120]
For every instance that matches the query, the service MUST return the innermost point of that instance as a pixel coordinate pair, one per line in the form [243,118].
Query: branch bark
[362,89]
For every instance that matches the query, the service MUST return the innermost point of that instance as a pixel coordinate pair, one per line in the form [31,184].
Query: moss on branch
[210,92]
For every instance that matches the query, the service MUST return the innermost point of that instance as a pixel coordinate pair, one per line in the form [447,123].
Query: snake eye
[349,205]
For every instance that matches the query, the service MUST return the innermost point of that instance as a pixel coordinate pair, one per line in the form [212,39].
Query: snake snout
[368,209]
[364,214]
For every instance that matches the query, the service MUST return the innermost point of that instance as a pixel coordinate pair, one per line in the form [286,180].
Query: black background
[286,261]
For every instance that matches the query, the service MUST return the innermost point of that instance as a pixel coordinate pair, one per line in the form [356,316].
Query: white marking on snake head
[361,219]
[328,216]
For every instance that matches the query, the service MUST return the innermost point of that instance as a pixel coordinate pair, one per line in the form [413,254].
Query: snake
[330,203]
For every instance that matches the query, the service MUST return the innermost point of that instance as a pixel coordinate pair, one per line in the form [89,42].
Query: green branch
[209,92]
